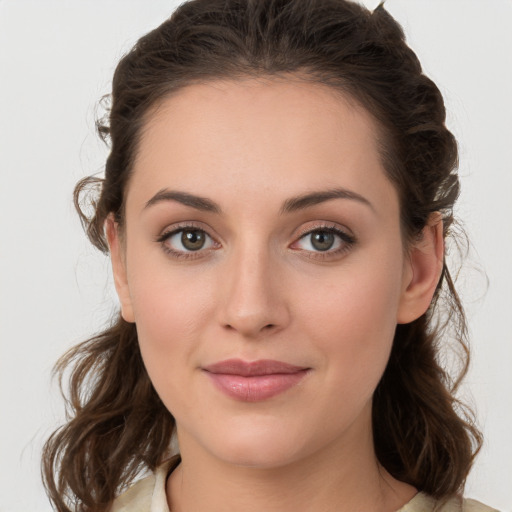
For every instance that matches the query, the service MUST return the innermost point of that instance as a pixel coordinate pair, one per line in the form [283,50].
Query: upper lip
[252,368]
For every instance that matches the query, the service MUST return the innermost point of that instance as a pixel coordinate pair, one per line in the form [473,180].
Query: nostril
[267,327]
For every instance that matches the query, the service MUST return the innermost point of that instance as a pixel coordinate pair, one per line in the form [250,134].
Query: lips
[254,381]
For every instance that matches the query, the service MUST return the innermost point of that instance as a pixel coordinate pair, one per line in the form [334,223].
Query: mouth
[256,380]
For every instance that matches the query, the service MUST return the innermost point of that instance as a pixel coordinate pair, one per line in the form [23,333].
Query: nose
[253,299]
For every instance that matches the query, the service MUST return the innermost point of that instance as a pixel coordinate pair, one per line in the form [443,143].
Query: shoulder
[424,503]
[137,497]
[476,506]
[148,494]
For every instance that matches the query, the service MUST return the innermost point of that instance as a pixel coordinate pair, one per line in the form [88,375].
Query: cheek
[352,317]
[170,309]
[343,318]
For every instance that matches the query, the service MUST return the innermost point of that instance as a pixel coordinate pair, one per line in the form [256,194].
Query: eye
[185,241]
[329,240]
[320,240]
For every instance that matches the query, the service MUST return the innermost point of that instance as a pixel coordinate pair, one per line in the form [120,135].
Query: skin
[259,289]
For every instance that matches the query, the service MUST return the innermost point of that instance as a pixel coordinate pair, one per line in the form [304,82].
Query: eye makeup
[193,240]
[329,240]
[322,241]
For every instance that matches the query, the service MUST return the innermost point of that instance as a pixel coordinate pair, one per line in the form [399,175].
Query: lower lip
[257,387]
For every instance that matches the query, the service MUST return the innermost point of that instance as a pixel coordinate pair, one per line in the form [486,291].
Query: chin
[255,457]
[263,447]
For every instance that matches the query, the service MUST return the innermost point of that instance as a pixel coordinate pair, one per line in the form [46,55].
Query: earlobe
[119,268]
[422,271]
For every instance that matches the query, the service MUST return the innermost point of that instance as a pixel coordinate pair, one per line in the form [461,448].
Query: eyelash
[347,241]
[179,254]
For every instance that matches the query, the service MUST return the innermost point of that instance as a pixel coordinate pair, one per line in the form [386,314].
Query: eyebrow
[197,202]
[313,198]
[290,205]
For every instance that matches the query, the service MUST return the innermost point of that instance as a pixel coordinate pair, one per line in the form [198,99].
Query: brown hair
[117,423]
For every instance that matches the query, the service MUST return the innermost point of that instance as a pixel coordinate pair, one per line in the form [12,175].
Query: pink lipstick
[254,381]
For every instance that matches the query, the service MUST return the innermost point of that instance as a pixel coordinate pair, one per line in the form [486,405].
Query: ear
[117,257]
[422,271]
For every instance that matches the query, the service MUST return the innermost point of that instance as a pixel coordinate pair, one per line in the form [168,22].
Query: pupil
[322,240]
[192,240]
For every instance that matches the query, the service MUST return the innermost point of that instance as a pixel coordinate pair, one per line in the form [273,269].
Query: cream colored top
[148,495]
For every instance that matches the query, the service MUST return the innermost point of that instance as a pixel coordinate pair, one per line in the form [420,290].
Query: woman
[276,203]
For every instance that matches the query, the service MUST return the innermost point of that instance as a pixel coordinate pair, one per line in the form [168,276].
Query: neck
[342,477]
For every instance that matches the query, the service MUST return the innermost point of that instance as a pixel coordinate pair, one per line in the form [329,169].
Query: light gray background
[57,59]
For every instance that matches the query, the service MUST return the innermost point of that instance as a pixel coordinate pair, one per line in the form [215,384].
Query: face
[262,262]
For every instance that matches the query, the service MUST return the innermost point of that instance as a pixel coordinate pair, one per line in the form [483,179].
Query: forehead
[283,136]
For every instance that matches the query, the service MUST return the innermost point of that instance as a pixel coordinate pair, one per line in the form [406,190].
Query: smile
[254,381]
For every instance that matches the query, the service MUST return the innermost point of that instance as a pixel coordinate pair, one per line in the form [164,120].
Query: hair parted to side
[117,424]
